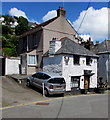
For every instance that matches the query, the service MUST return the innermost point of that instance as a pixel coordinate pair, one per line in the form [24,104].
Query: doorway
[23,64]
[86,82]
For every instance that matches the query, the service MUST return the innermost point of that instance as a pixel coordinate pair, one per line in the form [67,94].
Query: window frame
[34,59]
[75,57]
[88,61]
[78,81]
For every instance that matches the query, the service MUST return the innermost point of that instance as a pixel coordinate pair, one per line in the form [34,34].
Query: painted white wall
[12,66]
[53,64]
[54,46]
[57,63]
[78,70]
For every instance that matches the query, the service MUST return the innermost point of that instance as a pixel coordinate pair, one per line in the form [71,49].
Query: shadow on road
[41,92]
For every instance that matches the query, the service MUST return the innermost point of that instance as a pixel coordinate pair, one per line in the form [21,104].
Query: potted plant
[101,86]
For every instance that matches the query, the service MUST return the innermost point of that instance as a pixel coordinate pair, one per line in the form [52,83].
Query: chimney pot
[61,12]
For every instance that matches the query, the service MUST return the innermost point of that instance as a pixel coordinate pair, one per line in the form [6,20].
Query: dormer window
[88,60]
[76,59]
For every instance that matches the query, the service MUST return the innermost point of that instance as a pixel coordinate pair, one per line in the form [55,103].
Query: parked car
[53,84]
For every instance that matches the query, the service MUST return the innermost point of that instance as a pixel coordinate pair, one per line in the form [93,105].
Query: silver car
[53,84]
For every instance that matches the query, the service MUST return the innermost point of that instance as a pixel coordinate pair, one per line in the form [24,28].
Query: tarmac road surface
[87,106]
[19,101]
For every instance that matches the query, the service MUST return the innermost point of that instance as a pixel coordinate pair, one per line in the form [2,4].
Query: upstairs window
[34,36]
[88,60]
[24,43]
[76,59]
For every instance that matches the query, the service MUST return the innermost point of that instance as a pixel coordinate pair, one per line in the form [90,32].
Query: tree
[8,37]
[8,20]
[22,26]
[10,34]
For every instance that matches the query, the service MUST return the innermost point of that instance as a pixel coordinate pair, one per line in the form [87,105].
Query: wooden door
[86,82]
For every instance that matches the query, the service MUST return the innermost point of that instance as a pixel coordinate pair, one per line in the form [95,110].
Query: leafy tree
[8,37]
[6,30]
[10,34]
[22,26]
[8,20]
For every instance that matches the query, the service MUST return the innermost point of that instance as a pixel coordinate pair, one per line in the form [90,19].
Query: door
[86,82]
[37,81]
[23,64]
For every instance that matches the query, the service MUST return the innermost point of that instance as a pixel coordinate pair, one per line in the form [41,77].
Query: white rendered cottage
[75,63]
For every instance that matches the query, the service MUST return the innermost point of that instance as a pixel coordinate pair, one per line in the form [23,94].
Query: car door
[37,80]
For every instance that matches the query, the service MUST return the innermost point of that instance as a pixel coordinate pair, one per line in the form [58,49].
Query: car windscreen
[57,80]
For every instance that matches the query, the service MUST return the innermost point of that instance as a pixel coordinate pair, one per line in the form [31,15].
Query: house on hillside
[75,63]
[103,51]
[35,42]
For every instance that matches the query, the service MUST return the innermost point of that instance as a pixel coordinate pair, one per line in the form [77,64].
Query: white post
[43,89]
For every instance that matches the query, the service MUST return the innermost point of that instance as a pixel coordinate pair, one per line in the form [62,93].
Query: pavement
[14,93]
[18,77]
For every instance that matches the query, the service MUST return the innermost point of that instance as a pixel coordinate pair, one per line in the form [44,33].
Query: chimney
[54,46]
[61,12]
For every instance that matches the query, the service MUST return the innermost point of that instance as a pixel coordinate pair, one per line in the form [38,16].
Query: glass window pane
[32,59]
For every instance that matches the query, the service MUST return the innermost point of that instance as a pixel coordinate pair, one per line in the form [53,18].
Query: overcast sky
[95,23]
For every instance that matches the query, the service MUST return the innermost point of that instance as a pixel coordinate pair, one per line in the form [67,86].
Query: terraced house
[34,43]
[103,51]
[75,63]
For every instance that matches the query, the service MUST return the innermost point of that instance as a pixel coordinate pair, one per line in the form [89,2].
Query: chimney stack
[54,46]
[61,12]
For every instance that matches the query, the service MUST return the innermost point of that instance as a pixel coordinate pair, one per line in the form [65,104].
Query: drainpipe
[27,42]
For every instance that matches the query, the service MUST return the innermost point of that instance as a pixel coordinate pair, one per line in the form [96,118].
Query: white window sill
[32,65]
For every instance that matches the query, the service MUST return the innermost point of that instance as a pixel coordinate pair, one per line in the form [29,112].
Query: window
[76,59]
[44,76]
[88,60]
[34,43]
[24,42]
[75,80]
[32,60]
[57,80]
[38,75]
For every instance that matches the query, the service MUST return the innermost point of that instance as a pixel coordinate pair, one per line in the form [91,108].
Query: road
[22,102]
[92,106]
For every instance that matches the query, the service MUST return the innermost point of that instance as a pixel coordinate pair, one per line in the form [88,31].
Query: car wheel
[46,93]
[62,94]
[28,83]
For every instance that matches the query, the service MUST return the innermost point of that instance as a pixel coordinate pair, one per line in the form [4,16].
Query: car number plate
[59,87]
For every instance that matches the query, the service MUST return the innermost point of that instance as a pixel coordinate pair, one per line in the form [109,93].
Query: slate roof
[32,24]
[72,48]
[47,22]
[40,25]
[103,47]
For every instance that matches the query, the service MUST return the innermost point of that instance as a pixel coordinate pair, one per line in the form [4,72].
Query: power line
[63,3]
[84,16]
